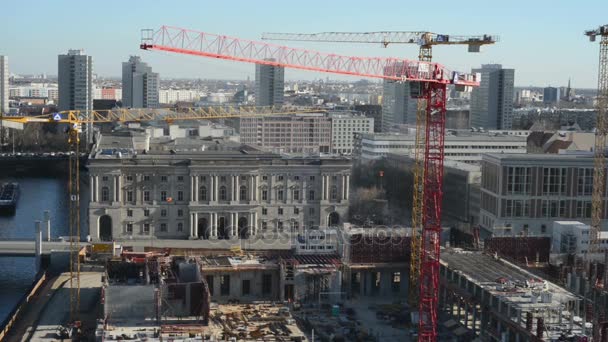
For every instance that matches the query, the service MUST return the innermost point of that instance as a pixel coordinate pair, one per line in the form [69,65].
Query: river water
[38,193]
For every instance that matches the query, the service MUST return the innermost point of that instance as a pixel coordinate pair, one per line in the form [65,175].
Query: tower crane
[599,166]
[74,121]
[426,40]
[432,79]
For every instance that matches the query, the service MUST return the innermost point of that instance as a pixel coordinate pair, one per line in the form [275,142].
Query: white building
[168,96]
[466,148]
[572,237]
[185,130]
[343,128]
[4,84]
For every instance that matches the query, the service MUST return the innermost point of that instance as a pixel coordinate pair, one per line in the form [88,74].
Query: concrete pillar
[38,245]
[192,189]
[211,193]
[234,225]
[347,186]
[95,188]
[214,225]
[119,188]
[216,189]
[47,220]
[322,187]
[192,225]
[195,233]
[195,193]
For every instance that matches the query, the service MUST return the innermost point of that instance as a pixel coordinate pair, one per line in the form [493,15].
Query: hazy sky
[542,39]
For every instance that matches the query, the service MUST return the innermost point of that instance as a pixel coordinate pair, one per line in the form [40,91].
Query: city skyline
[556,51]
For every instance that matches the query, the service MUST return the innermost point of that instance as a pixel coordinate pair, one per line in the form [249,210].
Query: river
[38,193]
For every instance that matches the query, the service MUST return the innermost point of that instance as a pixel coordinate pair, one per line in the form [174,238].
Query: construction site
[374,284]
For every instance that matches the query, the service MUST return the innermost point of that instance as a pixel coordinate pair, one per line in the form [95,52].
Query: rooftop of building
[574,155]
[451,136]
[448,163]
[507,281]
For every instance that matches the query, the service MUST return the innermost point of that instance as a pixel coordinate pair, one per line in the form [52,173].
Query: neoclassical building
[193,188]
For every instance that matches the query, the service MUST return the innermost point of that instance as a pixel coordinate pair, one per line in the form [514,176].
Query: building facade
[301,133]
[224,191]
[398,107]
[75,79]
[139,84]
[4,92]
[525,193]
[343,128]
[466,148]
[269,85]
[492,101]
[551,95]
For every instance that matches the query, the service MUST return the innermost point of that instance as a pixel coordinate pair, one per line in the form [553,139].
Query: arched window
[222,193]
[202,193]
[105,194]
[243,193]
[334,192]
[180,227]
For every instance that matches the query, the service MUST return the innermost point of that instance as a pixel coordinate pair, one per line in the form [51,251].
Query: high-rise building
[269,85]
[3,84]
[398,107]
[139,84]
[551,95]
[492,101]
[75,84]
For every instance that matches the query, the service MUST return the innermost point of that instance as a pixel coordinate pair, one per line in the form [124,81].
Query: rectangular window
[312,178]
[280,195]
[280,178]
[517,208]
[129,213]
[311,195]
[180,195]
[280,226]
[519,180]
[180,227]
[554,208]
[583,209]
[296,211]
[585,182]
[180,212]
[264,225]
[280,211]
[180,178]
[129,178]
[129,228]
[311,211]
[146,178]
[554,181]
[266,284]
[163,227]
[163,212]
[129,196]
[104,178]
[295,226]
[225,285]
[246,287]
[163,179]
[163,196]
[264,178]
[222,178]
[147,196]
[146,228]
[264,195]
[146,212]
[296,177]
[264,211]
[296,195]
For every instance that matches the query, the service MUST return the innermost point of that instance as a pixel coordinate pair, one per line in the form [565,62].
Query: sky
[542,40]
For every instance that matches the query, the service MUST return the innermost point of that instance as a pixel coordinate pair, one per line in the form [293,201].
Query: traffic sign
[57,117]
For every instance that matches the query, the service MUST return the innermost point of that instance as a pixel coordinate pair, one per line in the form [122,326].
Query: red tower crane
[432,80]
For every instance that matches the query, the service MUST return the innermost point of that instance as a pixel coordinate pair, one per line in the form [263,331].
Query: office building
[551,96]
[398,107]
[343,128]
[464,147]
[75,84]
[214,189]
[492,101]
[525,193]
[269,85]
[4,93]
[139,84]
[300,133]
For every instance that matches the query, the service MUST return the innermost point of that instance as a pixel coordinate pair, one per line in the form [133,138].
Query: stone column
[120,188]
[195,194]
[343,187]
[256,184]
[216,189]
[251,188]
[92,184]
[322,187]
[303,194]
[195,226]
[347,186]
[192,189]
[213,225]
[250,224]
[210,193]
[96,189]
[191,225]
[235,225]
[238,188]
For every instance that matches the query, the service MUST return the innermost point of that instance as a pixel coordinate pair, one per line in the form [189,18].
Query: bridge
[27,248]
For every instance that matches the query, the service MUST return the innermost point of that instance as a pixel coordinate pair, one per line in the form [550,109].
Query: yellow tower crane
[426,41]
[74,121]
